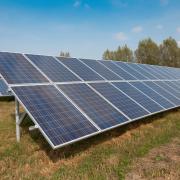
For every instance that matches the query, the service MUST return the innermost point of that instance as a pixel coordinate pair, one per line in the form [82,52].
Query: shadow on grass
[73,149]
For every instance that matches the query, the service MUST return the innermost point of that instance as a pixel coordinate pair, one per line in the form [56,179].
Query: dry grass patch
[105,156]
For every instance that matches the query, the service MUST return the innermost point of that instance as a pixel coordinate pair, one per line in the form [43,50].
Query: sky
[85,28]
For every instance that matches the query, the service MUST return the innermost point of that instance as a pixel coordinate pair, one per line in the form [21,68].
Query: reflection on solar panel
[102,70]
[120,100]
[80,69]
[4,89]
[125,75]
[16,69]
[102,113]
[58,118]
[52,68]
[139,97]
[70,99]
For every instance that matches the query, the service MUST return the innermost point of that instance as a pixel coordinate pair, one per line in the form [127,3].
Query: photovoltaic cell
[125,75]
[153,94]
[80,69]
[163,92]
[139,97]
[121,101]
[55,115]
[130,70]
[16,69]
[102,70]
[100,111]
[52,68]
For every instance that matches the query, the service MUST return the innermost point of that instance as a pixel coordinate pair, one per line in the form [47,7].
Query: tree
[122,54]
[170,53]
[64,54]
[147,52]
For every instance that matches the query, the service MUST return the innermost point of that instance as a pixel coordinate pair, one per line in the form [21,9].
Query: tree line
[148,52]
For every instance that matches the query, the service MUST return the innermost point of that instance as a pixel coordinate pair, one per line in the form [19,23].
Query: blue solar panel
[140,69]
[52,68]
[130,70]
[174,84]
[102,70]
[55,115]
[80,69]
[121,101]
[163,92]
[162,72]
[153,94]
[100,111]
[153,71]
[4,89]
[139,97]
[16,69]
[123,74]
[168,88]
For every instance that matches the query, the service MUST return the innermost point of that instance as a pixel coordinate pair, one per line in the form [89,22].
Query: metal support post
[17,120]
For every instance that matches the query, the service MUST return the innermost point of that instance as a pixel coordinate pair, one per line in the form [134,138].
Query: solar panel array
[71,99]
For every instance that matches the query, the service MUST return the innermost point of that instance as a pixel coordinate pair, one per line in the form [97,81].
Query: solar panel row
[68,109]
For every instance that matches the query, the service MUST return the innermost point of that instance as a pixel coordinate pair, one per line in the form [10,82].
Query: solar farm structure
[71,99]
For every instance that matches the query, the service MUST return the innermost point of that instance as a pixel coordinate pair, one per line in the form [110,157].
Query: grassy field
[112,155]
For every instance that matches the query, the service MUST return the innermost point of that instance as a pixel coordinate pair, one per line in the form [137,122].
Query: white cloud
[178,43]
[77,4]
[120,36]
[137,29]
[178,29]
[164,2]
[159,26]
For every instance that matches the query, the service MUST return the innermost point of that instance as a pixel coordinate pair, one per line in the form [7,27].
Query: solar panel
[153,71]
[120,100]
[153,94]
[80,69]
[123,74]
[102,70]
[4,89]
[16,69]
[140,69]
[56,116]
[99,110]
[67,109]
[52,68]
[130,70]
[168,88]
[139,97]
[163,92]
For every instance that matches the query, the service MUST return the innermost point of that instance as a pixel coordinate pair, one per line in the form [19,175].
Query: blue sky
[85,28]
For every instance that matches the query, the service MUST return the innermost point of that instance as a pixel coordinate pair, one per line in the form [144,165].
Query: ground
[145,149]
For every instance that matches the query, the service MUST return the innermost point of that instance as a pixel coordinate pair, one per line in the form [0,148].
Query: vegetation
[106,156]
[64,54]
[148,52]
[122,53]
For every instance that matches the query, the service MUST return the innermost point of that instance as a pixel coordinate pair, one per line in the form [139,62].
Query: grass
[105,156]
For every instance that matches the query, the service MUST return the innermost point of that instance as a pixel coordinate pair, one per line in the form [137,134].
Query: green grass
[105,156]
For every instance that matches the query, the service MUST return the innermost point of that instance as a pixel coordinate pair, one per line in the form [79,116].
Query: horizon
[85,28]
